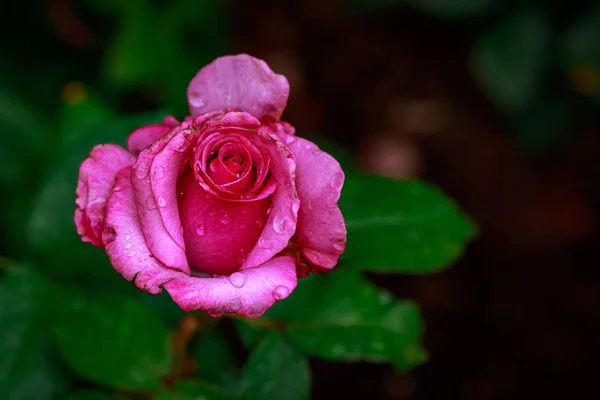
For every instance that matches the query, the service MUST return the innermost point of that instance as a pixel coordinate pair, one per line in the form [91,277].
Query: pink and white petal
[239,81]
[319,180]
[249,293]
[143,137]
[96,179]
[125,243]
[163,236]
[283,217]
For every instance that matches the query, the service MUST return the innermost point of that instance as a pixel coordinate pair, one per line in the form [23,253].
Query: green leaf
[28,368]
[215,360]
[509,59]
[276,371]
[90,394]
[115,341]
[249,334]
[401,226]
[194,390]
[341,316]
[582,54]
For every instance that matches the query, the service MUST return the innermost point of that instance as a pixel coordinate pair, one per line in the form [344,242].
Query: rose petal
[96,179]
[125,243]
[248,293]
[239,81]
[154,180]
[319,180]
[218,233]
[145,136]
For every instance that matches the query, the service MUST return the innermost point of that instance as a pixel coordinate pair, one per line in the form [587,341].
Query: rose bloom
[224,210]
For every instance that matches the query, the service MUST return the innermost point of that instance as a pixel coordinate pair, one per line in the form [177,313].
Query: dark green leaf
[509,59]
[341,316]
[91,395]
[214,358]
[194,390]
[276,371]
[115,341]
[28,368]
[401,226]
[250,335]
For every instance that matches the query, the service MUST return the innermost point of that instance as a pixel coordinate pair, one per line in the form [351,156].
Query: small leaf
[509,59]
[276,371]
[341,316]
[194,390]
[401,226]
[115,341]
[28,368]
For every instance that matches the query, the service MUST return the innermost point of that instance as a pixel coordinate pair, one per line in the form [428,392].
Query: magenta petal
[319,180]
[125,243]
[154,180]
[96,179]
[146,135]
[241,82]
[248,293]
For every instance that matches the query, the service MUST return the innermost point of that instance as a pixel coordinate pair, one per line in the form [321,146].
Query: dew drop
[281,292]
[141,172]
[128,246]
[158,173]
[196,100]
[200,231]
[217,312]
[290,139]
[279,224]
[178,143]
[161,201]
[151,203]
[339,246]
[133,253]
[308,146]
[263,244]
[225,219]
[237,279]
[235,304]
[337,181]
[117,189]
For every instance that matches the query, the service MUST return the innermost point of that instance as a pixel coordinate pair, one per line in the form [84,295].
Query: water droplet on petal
[117,189]
[308,146]
[178,143]
[127,236]
[337,181]
[263,244]
[237,279]
[196,100]
[133,253]
[217,312]
[158,173]
[295,207]
[235,303]
[279,224]
[128,246]
[200,231]
[281,292]
[141,172]
[225,219]
[290,139]
[161,201]
[151,203]
[339,246]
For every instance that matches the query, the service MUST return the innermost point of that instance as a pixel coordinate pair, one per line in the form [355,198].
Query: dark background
[514,139]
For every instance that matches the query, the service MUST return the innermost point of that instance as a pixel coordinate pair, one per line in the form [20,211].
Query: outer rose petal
[96,179]
[145,136]
[242,82]
[321,229]
[249,293]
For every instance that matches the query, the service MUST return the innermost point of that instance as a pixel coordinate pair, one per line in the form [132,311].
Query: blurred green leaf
[194,390]
[582,54]
[90,394]
[250,335]
[214,358]
[547,123]
[276,371]
[115,341]
[401,226]
[28,368]
[509,59]
[341,316]
[163,305]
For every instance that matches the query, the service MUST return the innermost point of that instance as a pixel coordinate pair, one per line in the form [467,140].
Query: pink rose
[224,210]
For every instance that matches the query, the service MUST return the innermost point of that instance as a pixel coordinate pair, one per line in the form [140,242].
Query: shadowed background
[494,101]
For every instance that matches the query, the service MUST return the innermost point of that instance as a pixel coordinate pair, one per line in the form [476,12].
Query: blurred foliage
[71,327]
